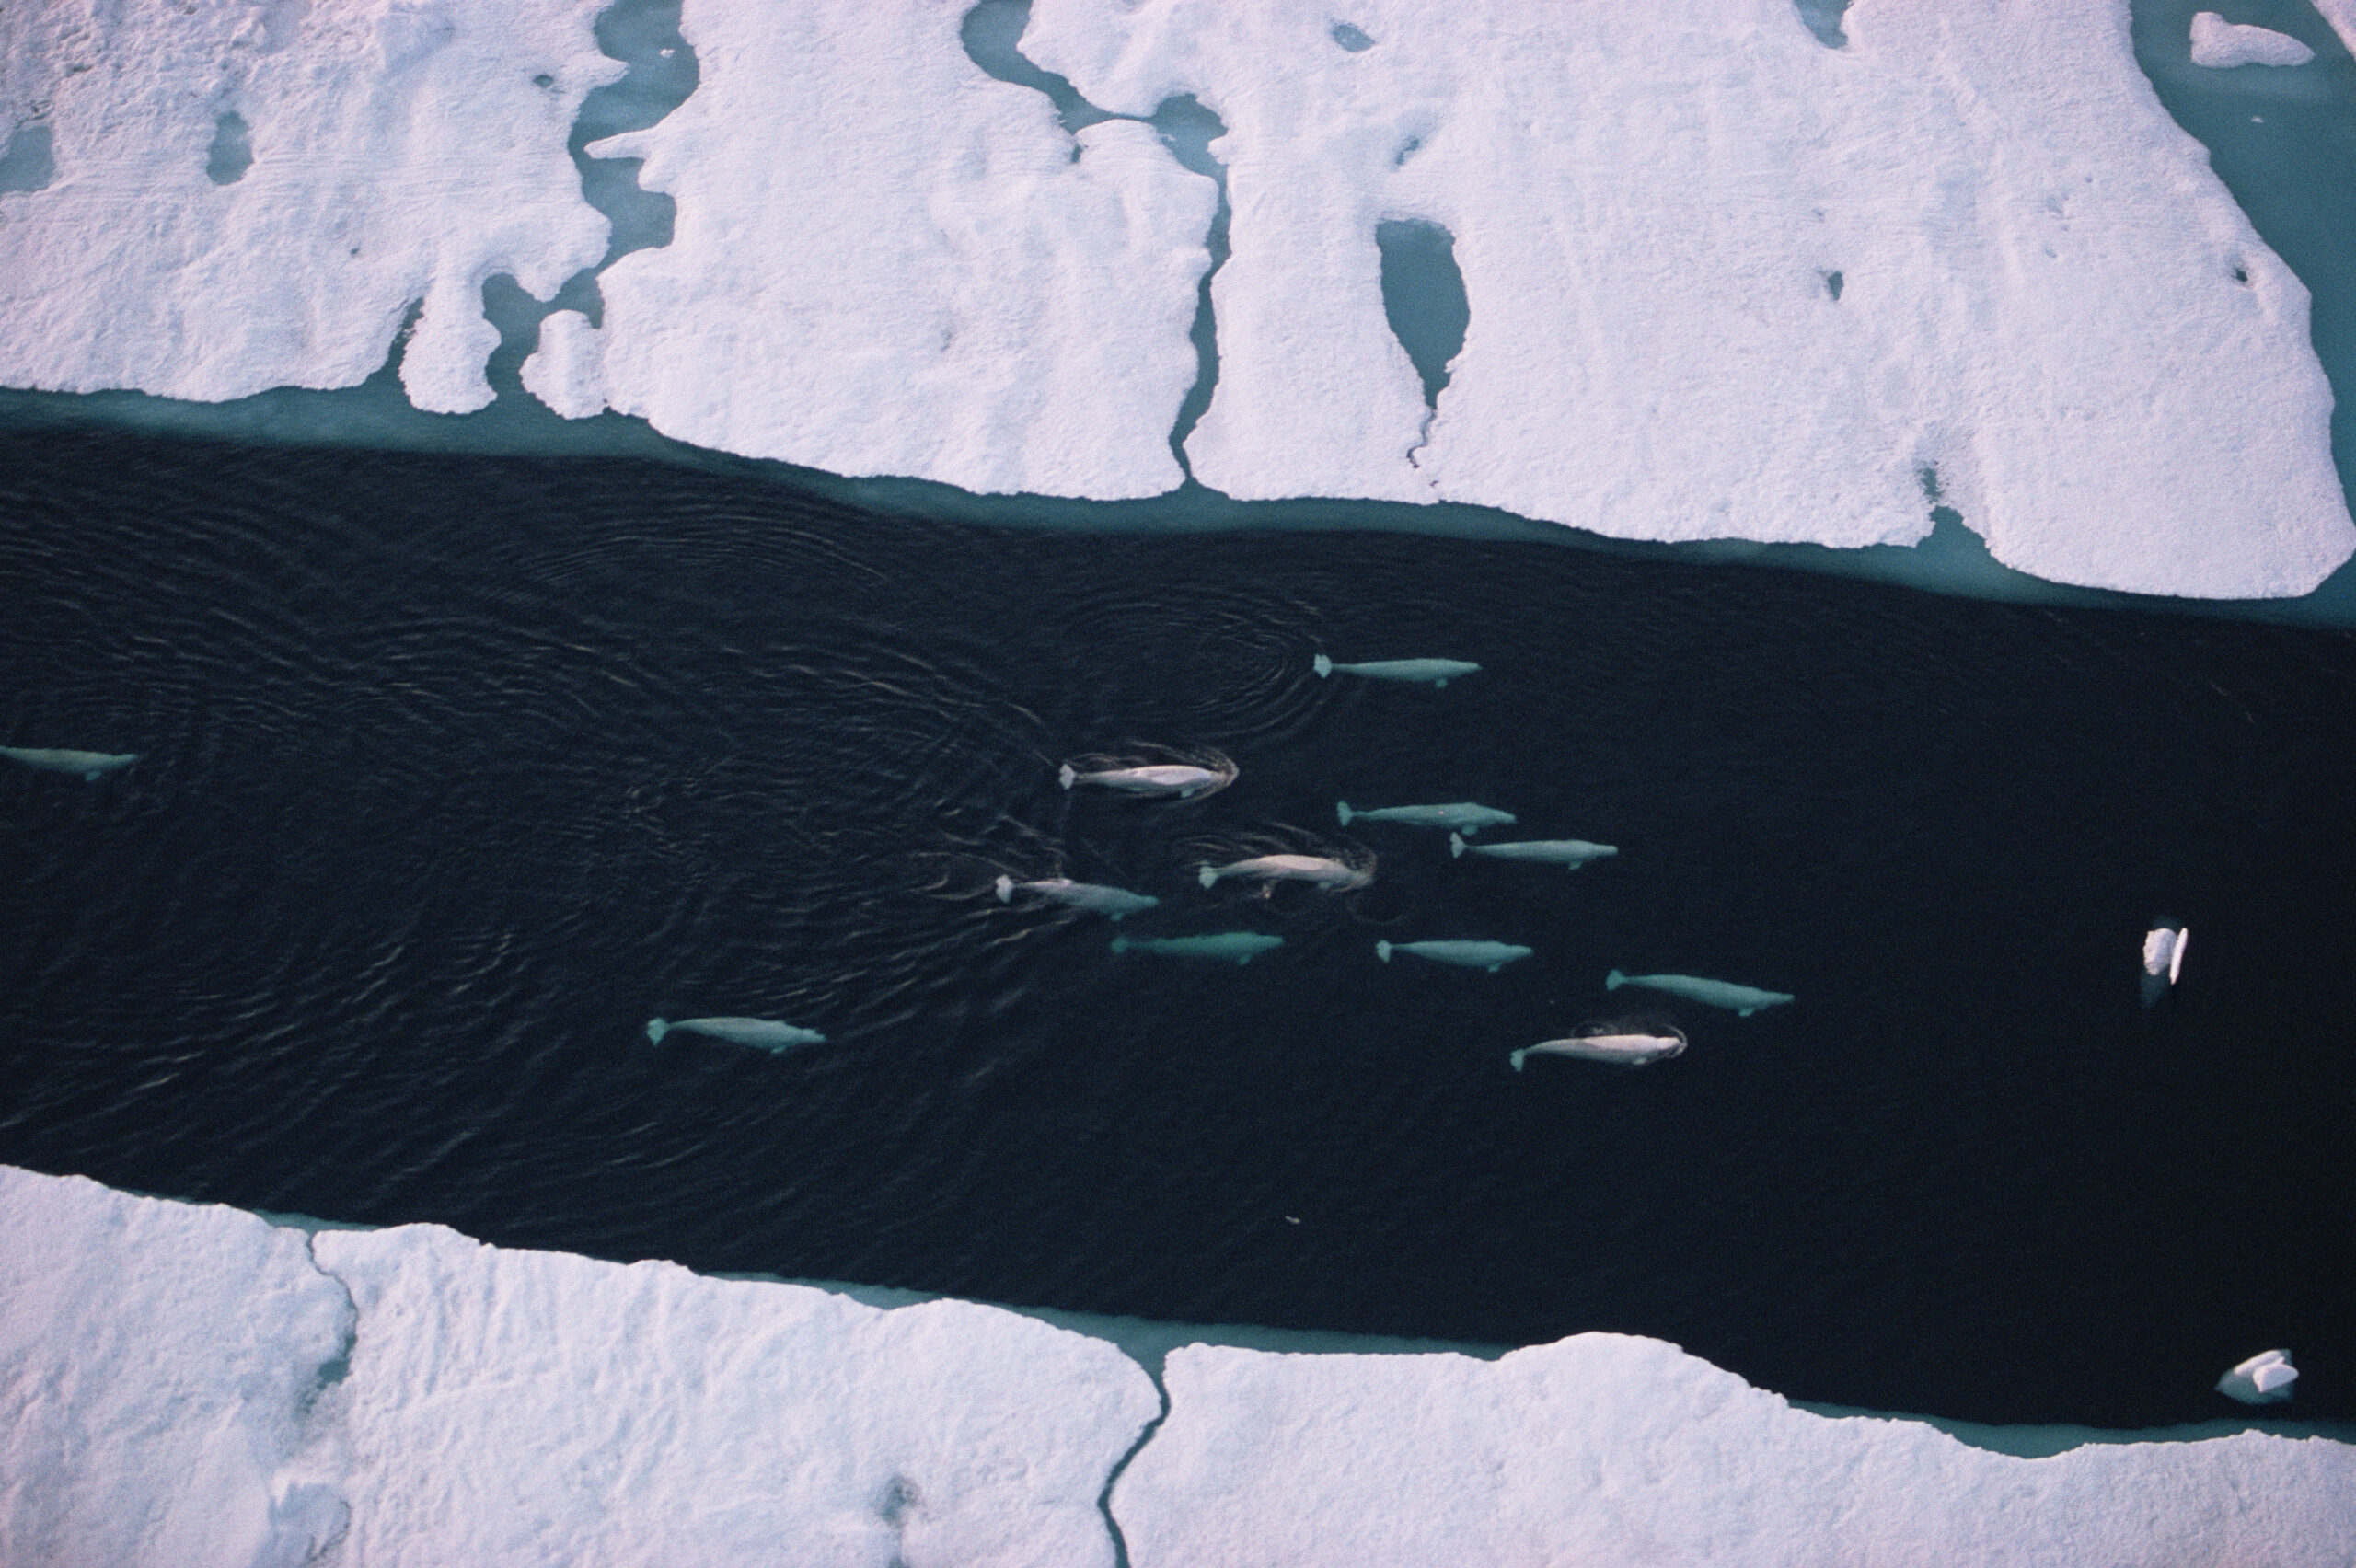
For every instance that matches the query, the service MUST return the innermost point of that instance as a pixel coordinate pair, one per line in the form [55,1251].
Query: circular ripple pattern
[452,772]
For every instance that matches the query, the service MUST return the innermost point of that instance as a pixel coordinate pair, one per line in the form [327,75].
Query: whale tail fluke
[1342,810]
[1382,951]
[656,1030]
[1207,876]
[1614,980]
[1516,1056]
[1005,889]
[1322,664]
[1456,846]
[1067,775]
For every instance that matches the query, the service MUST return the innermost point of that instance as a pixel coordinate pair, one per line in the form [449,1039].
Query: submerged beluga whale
[1436,673]
[1318,871]
[1491,956]
[89,765]
[1233,946]
[1094,897]
[1572,853]
[1742,1000]
[766,1034]
[1463,816]
[1628,1047]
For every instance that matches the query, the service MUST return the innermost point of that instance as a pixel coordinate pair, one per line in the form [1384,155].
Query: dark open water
[455,770]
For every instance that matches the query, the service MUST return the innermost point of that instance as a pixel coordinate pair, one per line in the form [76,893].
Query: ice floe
[242,194]
[886,262]
[1727,281]
[185,1385]
[1607,1448]
[2221,44]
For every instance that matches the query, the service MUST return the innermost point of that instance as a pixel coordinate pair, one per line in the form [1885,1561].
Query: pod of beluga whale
[1463,816]
[1092,897]
[1491,956]
[89,765]
[1231,947]
[1742,1000]
[1570,852]
[1436,673]
[1628,1047]
[766,1034]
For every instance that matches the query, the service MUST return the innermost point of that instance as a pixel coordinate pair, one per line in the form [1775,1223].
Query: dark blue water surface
[455,770]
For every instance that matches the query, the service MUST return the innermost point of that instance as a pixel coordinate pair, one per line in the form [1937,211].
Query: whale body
[89,765]
[2264,1378]
[1436,671]
[1743,1000]
[1571,852]
[1092,897]
[1235,947]
[1182,780]
[1318,871]
[2163,960]
[1491,956]
[1629,1049]
[761,1031]
[1463,816]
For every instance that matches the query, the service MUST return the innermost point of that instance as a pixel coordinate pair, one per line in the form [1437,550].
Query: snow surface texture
[2341,17]
[1726,281]
[163,1404]
[252,193]
[186,1386]
[1605,1448]
[2222,44]
[886,262]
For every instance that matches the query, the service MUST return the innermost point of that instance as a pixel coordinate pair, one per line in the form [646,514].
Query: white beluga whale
[1317,870]
[1436,673]
[1570,852]
[89,765]
[1184,779]
[1232,947]
[1463,815]
[2264,1378]
[1491,956]
[1743,1000]
[1627,1046]
[2163,959]
[766,1034]
[1092,897]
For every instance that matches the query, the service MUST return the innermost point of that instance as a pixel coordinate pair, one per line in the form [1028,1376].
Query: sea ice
[886,262]
[1727,281]
[2264,1378]
[244,194]
[1607,1448]
[2222,44]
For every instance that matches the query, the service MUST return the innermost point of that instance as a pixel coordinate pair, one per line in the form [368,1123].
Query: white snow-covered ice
[1606,1448]
[381,153]
[184,1386]
[2264,1378]
[2221,44]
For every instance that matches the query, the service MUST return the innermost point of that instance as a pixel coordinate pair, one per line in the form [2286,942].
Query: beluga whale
[89,765]
[765,1033]
[1627,1045]
[1094,898]
[1491,956]
[1742,1000]
[1571,853]
[1435,673]
[1233,946]
[2163,959]
[1326,871]
[1204,775]
[1463,816]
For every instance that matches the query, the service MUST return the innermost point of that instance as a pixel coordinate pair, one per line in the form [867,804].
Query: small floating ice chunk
[2264,1378]
[2221,44]
[2164,947]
